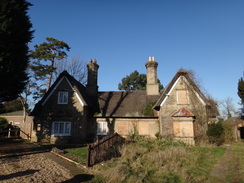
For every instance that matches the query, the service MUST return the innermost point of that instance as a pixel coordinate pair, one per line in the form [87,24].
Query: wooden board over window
[182,97]
[183,129]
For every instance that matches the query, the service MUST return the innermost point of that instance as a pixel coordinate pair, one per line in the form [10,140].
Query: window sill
[60,135]
[102,134]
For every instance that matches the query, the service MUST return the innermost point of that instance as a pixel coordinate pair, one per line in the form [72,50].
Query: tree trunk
[50,75]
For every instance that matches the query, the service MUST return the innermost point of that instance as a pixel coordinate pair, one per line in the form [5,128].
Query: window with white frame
[61,128]
[182,97]
[102,128]
[62,97]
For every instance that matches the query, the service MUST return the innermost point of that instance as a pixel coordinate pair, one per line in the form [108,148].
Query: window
[61,128]
[102,128]
[183,129]
[182,97]
[62,97]
[38,127]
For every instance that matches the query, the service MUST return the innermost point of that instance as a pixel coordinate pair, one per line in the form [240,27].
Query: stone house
[238,127]
[23,122]
[73,113]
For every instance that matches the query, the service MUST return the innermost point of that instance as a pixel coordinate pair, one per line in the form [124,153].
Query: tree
[135,81]
[228,107]
[3,124]
[241,95]
[74,66]
[44,57]
[15,33]
[241,90]
[10,106]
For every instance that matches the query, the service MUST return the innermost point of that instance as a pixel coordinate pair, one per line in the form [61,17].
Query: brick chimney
[92,87]
[152,86]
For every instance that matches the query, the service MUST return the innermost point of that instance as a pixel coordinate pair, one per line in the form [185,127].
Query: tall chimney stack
[92,87]
[152,86]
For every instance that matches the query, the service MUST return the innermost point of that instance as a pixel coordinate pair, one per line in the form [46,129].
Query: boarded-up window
[182,97]
[183,129]
[123,128]
[143,129]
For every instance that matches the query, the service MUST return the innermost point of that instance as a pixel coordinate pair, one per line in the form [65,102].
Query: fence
[104,149]
[10,133]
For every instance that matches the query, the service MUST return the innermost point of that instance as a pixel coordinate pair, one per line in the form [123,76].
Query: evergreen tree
[15,33]
[135,81]
[10,106]
[241,90]
[241,95]
[44,57]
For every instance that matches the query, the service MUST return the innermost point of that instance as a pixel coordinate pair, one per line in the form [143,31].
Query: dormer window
[62,97]
[182,97]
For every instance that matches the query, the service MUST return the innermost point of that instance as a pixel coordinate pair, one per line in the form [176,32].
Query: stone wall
[126,126]
[25,126]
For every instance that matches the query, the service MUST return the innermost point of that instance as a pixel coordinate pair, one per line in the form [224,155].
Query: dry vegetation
[159,161]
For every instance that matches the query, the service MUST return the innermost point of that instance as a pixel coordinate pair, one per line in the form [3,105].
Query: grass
[161,161]
[78,154]
[204,159]
[236,165]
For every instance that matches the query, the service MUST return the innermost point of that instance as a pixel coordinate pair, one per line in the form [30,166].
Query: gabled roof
[125,104]
[78,88]
[166,91]
[183,112]
[235,121]
[14,113]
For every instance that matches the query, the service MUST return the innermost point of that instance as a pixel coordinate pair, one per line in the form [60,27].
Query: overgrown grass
[205,159]
[160,161]
[236,166]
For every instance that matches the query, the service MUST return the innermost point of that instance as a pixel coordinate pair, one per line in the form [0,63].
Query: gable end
[167,94]
[56,86]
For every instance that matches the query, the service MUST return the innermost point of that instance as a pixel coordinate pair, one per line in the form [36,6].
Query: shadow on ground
[17,174]
[80,178]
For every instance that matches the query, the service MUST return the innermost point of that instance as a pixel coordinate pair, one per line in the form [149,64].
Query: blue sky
[206,36]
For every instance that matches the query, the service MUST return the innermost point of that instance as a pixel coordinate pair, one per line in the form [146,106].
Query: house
[238,127]
[73,113]
[23,122]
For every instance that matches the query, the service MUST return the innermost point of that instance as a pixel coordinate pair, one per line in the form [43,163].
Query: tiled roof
[235,120]
[125,104]
[183,112]
[14,113]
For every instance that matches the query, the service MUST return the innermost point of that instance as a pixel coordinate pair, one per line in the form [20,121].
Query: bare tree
[228,109]
[74,66]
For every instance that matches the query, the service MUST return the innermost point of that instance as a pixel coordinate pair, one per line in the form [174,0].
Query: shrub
[3,124]
[220,132]
[214,132]
[228,132]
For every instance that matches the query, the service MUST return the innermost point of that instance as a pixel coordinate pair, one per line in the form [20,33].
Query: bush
[215,132]
[4,124]
[228,133]
[221,132]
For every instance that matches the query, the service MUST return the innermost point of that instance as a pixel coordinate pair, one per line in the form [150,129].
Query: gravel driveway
[22,161]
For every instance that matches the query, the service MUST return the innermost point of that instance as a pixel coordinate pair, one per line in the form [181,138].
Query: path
[220,170]
[22,161]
